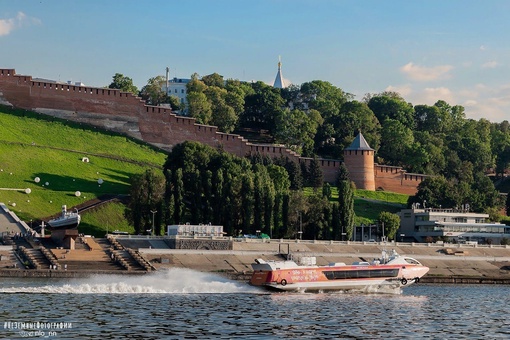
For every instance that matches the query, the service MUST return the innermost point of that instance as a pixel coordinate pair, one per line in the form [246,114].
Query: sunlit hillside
[65,157]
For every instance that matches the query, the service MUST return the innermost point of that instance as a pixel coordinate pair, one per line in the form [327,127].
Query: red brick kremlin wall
[123,112]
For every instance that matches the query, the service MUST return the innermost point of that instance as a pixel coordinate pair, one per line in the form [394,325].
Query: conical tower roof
[359,143]
[279,83]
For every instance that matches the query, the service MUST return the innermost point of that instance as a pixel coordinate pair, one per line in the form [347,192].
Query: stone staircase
[38,258]
[9,260]
[86,260]
[127,257]
[127,260]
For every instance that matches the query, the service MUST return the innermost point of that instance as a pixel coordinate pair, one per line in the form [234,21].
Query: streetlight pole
[300,226]
[153,213]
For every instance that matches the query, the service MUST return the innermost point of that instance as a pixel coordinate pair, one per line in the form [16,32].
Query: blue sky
[455,50]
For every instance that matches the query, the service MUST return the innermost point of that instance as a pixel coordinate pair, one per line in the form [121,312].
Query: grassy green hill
[33,145]
[37,146]
[369,204]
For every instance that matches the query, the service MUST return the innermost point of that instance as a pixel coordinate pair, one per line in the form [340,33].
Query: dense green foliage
[345,203]
[391,223]
[319,119]
[205,185]
[146,203]
[123,83]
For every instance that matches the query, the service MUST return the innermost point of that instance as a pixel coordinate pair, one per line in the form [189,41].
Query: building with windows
[177,87]
[458,225]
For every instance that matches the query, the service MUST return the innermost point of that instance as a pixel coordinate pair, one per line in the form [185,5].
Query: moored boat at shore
[393,271]
[67,220]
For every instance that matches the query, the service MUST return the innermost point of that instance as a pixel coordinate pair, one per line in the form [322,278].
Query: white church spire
[279,83]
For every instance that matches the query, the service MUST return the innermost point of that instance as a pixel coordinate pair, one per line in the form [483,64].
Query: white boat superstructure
[67,220]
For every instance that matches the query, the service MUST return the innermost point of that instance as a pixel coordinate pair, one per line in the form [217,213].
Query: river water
[184,304]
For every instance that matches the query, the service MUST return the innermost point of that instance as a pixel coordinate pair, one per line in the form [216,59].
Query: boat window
[359,274]
[411,261]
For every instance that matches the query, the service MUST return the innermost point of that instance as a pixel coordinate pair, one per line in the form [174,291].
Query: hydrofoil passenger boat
[392,271]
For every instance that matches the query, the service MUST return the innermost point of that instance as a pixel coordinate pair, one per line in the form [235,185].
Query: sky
[455,50]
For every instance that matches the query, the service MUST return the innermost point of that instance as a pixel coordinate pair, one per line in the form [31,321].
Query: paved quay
[480,263]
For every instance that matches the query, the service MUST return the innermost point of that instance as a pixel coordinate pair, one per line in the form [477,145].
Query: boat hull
[70,222]
[346,285]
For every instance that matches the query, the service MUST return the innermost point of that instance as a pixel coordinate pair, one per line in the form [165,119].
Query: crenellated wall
[124,112]
[396,179]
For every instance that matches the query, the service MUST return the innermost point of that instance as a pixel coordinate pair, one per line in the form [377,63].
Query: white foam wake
[174,281]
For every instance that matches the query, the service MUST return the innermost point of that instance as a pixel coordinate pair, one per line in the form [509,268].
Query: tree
[281,184]
[153,92]
[315,173]
[199,107]
[396,139]
[123,83]
[317,218]
[507,205]
[339,130]
[345,202]
[336,228]
[326,190]
[214,79]
[262,108]
[435,191]
[147,194]
[293,171]
[391,223]
[223,116]
[388,105]
[432,119]
[323,97]
[296,129]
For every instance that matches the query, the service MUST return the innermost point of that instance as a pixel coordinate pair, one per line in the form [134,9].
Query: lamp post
[153,213]
[300,226]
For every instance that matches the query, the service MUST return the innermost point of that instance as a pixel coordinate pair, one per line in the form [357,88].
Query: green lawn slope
[36,146]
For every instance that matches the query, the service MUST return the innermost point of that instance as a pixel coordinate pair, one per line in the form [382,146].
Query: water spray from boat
[173,281]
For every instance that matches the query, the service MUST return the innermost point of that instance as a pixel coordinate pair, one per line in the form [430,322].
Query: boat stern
[260,278]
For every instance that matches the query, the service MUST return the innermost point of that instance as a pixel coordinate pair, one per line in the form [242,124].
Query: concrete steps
[127,261]
[83,259]
[38,258]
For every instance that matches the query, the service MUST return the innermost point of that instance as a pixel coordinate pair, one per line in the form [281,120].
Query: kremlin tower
[359,161]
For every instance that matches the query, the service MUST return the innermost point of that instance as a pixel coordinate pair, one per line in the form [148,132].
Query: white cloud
[422,73]
[479,100]
[403,90]
[482,101]
[483,48]
[490,64]
[8,25]
[432,95]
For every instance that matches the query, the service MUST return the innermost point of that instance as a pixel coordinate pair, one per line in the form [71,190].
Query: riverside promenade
[448,263]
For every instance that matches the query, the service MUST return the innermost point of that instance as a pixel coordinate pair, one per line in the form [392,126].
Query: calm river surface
[181,303]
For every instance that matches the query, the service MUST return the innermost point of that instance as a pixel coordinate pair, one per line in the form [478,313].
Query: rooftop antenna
[167,70]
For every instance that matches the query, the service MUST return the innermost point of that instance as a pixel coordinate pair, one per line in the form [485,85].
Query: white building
[454,224]
[177,87]
[195,230]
